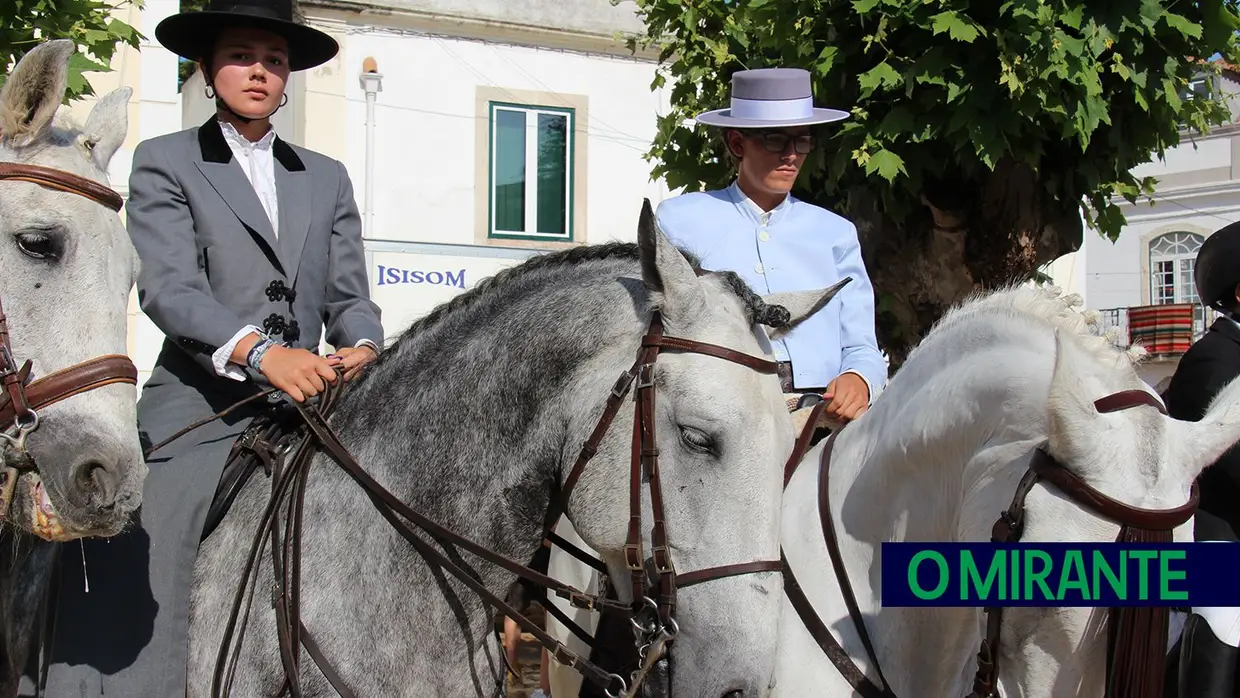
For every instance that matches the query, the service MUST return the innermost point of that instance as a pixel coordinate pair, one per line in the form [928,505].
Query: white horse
[940,455]
[936,459]
[66,270]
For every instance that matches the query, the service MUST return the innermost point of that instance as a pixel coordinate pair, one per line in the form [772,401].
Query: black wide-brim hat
[1217,267]
[192,34]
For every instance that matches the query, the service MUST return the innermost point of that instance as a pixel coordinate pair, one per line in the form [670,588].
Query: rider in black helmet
[1208,645]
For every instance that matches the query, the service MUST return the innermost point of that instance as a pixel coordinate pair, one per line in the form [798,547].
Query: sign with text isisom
[1104,575]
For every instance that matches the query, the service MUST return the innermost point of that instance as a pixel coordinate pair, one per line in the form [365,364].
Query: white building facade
[1151,263]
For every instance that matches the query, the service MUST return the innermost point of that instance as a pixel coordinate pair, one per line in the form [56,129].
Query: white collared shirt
[257,160]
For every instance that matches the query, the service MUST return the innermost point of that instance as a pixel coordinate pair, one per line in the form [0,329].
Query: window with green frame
[529,139]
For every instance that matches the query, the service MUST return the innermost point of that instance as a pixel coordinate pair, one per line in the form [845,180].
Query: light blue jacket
[795,247]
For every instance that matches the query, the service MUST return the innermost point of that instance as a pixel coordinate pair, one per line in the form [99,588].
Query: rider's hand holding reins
[353,359]
[298,372]
[848,397]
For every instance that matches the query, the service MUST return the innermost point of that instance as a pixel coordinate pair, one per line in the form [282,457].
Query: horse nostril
[96,483]
[734,694]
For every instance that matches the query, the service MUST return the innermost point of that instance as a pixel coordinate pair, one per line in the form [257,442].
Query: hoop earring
[209,91]
[284,101]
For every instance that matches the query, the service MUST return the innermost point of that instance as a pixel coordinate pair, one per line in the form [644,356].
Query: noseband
[1136,640]
[653,606]
[21,399]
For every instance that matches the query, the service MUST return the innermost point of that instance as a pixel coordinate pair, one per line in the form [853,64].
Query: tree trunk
[970,236]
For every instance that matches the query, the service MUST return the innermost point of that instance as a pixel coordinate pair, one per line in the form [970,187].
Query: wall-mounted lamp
[372,83]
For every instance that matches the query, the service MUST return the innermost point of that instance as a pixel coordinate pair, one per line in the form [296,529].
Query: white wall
[1118,273]
[427,159]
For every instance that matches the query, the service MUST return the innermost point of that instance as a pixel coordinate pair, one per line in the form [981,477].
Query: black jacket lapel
[225,175]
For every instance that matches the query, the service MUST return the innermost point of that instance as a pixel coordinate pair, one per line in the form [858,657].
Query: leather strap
[62,181]
[736,357]
[1127,399]
[822,635]
[1076,490]
[688,579]
[74,380]
[803,441]
[837,561]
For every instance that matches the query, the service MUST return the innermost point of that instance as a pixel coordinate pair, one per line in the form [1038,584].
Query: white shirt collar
[757,210]
[257,161]
[234,137]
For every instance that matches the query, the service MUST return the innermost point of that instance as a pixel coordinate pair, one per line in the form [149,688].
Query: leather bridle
[652,610]
[1136,635]
[20,398]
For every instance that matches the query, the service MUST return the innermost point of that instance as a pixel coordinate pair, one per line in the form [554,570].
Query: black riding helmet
[1217,270]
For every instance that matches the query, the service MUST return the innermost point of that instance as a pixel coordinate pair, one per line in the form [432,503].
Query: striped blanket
[1162,329]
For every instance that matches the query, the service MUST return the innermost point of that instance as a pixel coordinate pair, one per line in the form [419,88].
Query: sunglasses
[777,142]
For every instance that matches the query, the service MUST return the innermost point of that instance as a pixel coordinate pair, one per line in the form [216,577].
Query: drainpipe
[372,83]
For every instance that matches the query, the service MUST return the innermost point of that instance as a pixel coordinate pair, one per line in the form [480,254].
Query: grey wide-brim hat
[771,98]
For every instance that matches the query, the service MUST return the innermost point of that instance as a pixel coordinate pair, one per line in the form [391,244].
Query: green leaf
[1072,17]
[880,75]
[886,163]
[864,6]
[956,27]
[1172,94]
[1181,24]
[826,59]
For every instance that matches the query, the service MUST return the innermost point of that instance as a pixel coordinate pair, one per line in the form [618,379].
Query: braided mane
[758,311]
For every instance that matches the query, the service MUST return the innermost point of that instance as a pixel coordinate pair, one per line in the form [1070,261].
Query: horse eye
[39,245]
[698,441]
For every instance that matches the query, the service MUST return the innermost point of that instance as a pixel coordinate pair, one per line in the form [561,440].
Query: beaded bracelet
[255,358]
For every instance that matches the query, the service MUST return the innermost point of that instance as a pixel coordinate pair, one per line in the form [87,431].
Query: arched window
[1171,267]
[1172,258]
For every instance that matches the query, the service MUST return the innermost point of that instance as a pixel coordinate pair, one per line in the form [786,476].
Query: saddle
[276,432]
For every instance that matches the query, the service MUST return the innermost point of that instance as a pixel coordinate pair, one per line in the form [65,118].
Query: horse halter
[1136,637]
[21,399]
[653,619]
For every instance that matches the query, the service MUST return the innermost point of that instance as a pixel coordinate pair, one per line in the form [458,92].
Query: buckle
[633,557]
[622,384]
[661,557]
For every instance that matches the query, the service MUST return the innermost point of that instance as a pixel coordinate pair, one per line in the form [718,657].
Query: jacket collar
[215,148]
[1227,327]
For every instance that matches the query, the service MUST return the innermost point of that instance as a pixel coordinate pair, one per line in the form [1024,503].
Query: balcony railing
[1164,330]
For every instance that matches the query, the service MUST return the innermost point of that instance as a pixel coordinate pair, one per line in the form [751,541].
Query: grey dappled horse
[474,418]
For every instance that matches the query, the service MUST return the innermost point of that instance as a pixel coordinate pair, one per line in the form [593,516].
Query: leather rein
[1136,636]
[655,579]
[20,398]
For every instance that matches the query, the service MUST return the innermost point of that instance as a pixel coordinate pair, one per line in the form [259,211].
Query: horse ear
[34,91]
[665,270]
[107,126]
[1201,444]
[802,305]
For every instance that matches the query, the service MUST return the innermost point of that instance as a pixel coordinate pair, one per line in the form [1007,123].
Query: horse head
[1141,458]
[68,270]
